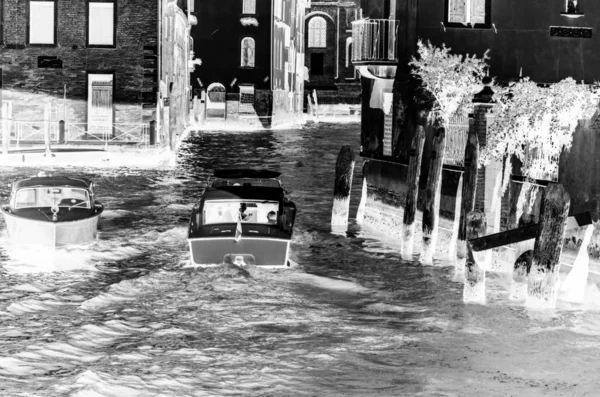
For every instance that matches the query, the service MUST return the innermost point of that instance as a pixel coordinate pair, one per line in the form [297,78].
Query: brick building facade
[94,73]
[328,43]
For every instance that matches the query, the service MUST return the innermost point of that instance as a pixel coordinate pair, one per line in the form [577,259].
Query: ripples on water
[129,316]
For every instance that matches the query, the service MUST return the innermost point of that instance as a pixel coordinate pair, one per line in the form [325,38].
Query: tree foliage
[536,123]
[450,79]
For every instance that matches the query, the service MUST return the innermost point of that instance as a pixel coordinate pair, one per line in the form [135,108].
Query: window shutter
[477,11]
[457,11]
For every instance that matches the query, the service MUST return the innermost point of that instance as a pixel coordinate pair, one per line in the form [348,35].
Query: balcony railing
[374,41]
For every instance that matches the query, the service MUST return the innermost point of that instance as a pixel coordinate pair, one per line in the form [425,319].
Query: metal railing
[34,131]
[111,133]
[374,41]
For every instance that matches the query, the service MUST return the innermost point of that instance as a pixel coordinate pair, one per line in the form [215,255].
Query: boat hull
[24,231]
[261,251]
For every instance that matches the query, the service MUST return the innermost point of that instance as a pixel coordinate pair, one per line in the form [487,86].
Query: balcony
[374,42]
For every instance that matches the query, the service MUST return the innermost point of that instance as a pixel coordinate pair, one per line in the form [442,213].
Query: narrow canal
[129,316]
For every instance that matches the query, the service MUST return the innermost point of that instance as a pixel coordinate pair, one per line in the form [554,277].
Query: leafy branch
[451,79]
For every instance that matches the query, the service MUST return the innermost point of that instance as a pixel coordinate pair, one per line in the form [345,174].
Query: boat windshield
[228,211]
[52,196]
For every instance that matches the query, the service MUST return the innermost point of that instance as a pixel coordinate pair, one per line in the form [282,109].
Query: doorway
[317,59]
[100,104]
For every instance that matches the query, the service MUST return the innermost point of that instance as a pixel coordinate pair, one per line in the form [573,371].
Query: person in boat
[243,215]
[272,217]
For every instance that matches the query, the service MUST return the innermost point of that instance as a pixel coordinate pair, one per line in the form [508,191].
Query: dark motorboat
[244,218]
[52,211]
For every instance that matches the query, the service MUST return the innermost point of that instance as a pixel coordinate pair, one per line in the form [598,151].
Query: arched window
[317,29]
[247,58]
[249,7]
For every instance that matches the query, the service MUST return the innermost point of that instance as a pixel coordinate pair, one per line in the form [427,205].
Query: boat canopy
[52,181]
[244,192]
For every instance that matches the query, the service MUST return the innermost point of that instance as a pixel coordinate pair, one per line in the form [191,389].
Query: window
[468,12]
[58,196]
[317,30]
[249,7]
[101,24]
[42,27]
[229,211]
[247,57]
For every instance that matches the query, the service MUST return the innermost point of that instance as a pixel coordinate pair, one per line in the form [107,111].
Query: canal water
[129,316]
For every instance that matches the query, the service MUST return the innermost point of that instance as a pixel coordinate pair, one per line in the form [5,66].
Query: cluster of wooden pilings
[535,272]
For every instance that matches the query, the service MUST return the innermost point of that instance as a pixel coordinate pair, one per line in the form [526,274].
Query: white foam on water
[180,207]
[328,283]
[134,356]
[60,350]
[98,384]
[381,307]
[34,305]
[172,331]
[474,292]
[407,241]
[11,366]
[30,287]
[360,212]
[114,214]
[117,294]
[340,211]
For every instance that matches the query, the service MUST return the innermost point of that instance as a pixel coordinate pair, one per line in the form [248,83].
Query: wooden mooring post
[543,276]
[468,194]
[573,288]
[474,285]
[47,110]
[518,285]
[5,129]
[431,211]
[344,170]
[412,182]
[360,213]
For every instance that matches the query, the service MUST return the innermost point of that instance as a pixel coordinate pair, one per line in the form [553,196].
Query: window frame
[251,40]
[312,21]
[244,2]
[468,25]
[54,21]
[87,27]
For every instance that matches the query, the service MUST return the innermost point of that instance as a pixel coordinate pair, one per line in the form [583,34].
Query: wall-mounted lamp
[443,27]
[495,30]
[233,82]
